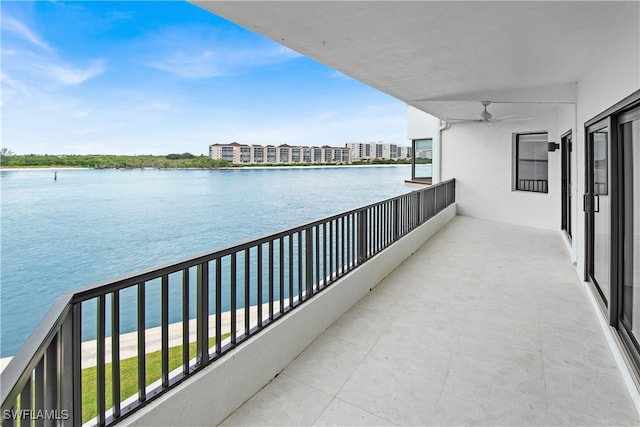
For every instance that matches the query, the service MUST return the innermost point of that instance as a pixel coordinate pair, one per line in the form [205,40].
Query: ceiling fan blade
[453,119]
[517,119]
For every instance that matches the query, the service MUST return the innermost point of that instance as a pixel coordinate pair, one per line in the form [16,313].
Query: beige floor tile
[486,324]
[283,402]
[327,363]
[340,413]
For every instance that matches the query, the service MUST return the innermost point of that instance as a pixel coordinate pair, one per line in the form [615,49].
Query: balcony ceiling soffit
[433,52]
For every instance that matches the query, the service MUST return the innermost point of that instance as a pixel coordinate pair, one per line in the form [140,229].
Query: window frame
[515,184]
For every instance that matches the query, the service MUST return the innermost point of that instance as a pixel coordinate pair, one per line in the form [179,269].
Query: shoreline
[42,168]
[53,168]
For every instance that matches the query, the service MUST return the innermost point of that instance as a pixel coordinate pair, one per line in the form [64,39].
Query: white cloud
[12,87]
[69,75]
[20,29]
[38,67]
[182,53]
[190,65]
[26,73]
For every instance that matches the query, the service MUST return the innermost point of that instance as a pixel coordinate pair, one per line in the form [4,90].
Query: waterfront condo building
[237,153]
[362,151]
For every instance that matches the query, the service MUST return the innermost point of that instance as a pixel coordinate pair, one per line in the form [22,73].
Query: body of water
[93,225]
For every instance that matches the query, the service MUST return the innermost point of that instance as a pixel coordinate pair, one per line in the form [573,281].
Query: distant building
[282,154]
[362,151]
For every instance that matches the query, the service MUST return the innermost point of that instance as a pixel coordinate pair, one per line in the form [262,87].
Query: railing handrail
[28,357]
[110,285]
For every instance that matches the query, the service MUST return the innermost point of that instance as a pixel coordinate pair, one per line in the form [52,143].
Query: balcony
[470,330]
[468,326]
[85,365]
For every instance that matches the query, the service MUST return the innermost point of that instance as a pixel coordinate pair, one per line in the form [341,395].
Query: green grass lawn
[129,377]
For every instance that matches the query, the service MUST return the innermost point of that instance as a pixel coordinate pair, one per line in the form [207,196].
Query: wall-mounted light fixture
[552,146]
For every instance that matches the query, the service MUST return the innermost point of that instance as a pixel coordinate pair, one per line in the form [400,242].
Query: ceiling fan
[487,117]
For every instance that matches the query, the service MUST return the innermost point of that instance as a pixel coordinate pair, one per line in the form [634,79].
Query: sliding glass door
[566,183]
[612,212]
[629,136]
[598,207]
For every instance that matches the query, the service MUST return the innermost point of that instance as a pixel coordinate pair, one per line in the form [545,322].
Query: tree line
[171,161]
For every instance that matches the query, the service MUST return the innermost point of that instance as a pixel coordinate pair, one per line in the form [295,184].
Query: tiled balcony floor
[487,324]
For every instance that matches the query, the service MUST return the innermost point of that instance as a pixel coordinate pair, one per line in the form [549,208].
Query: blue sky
[163,77]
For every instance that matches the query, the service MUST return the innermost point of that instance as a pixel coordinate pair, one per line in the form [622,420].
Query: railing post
[100,359]
[362,236]
[218,302]
[202,315]
[115,352]
[186,318]
[419,208]
[142,352]
[259,284]
[396,219]
[65,374]
[51,378]
[308,256]
[234,302]
[271,280]
[77,364]
[164,320]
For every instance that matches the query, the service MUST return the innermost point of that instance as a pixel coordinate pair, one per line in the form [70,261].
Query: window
[227,153]
[258,154]
[245,154]
[422,160]
[531,162]
[271,154]
[284,155]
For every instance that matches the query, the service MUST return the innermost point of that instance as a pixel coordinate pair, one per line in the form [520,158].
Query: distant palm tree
[4,151]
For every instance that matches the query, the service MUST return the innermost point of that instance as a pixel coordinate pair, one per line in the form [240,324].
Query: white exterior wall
[215,152]
[421,125]
[480,158]
[386,151]
[355,148]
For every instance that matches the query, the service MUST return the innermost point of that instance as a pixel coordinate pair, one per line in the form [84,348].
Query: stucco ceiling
[443,57]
